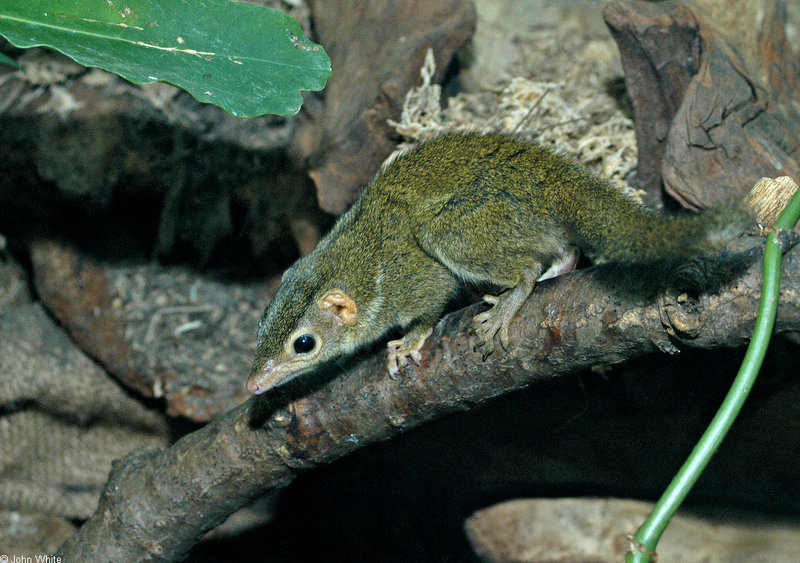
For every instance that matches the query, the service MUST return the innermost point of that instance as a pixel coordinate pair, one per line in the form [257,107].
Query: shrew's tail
[625,231]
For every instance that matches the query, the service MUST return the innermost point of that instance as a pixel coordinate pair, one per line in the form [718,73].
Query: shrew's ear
[340,305]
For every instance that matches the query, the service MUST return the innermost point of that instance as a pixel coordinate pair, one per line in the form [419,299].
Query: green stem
[650,532]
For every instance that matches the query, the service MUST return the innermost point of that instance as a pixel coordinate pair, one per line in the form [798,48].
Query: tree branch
[158,504]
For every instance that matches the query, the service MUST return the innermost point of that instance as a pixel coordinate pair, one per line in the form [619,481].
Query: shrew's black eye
[304,344]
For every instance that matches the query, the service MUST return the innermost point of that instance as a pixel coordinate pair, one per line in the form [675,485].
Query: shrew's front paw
[403,349]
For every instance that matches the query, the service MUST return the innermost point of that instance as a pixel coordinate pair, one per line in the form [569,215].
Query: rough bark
[157,504]
[660,50]
[715,92]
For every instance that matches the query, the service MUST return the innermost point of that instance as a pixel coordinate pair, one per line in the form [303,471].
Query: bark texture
[715,94]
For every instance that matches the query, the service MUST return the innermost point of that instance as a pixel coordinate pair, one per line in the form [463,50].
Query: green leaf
[249,60]
[5,59]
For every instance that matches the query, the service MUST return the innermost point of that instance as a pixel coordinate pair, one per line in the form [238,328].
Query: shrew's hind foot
[495,321]
[487,325]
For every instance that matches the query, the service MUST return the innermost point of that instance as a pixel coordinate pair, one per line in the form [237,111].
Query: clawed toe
[485,326]
[489,324]
[400,351]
